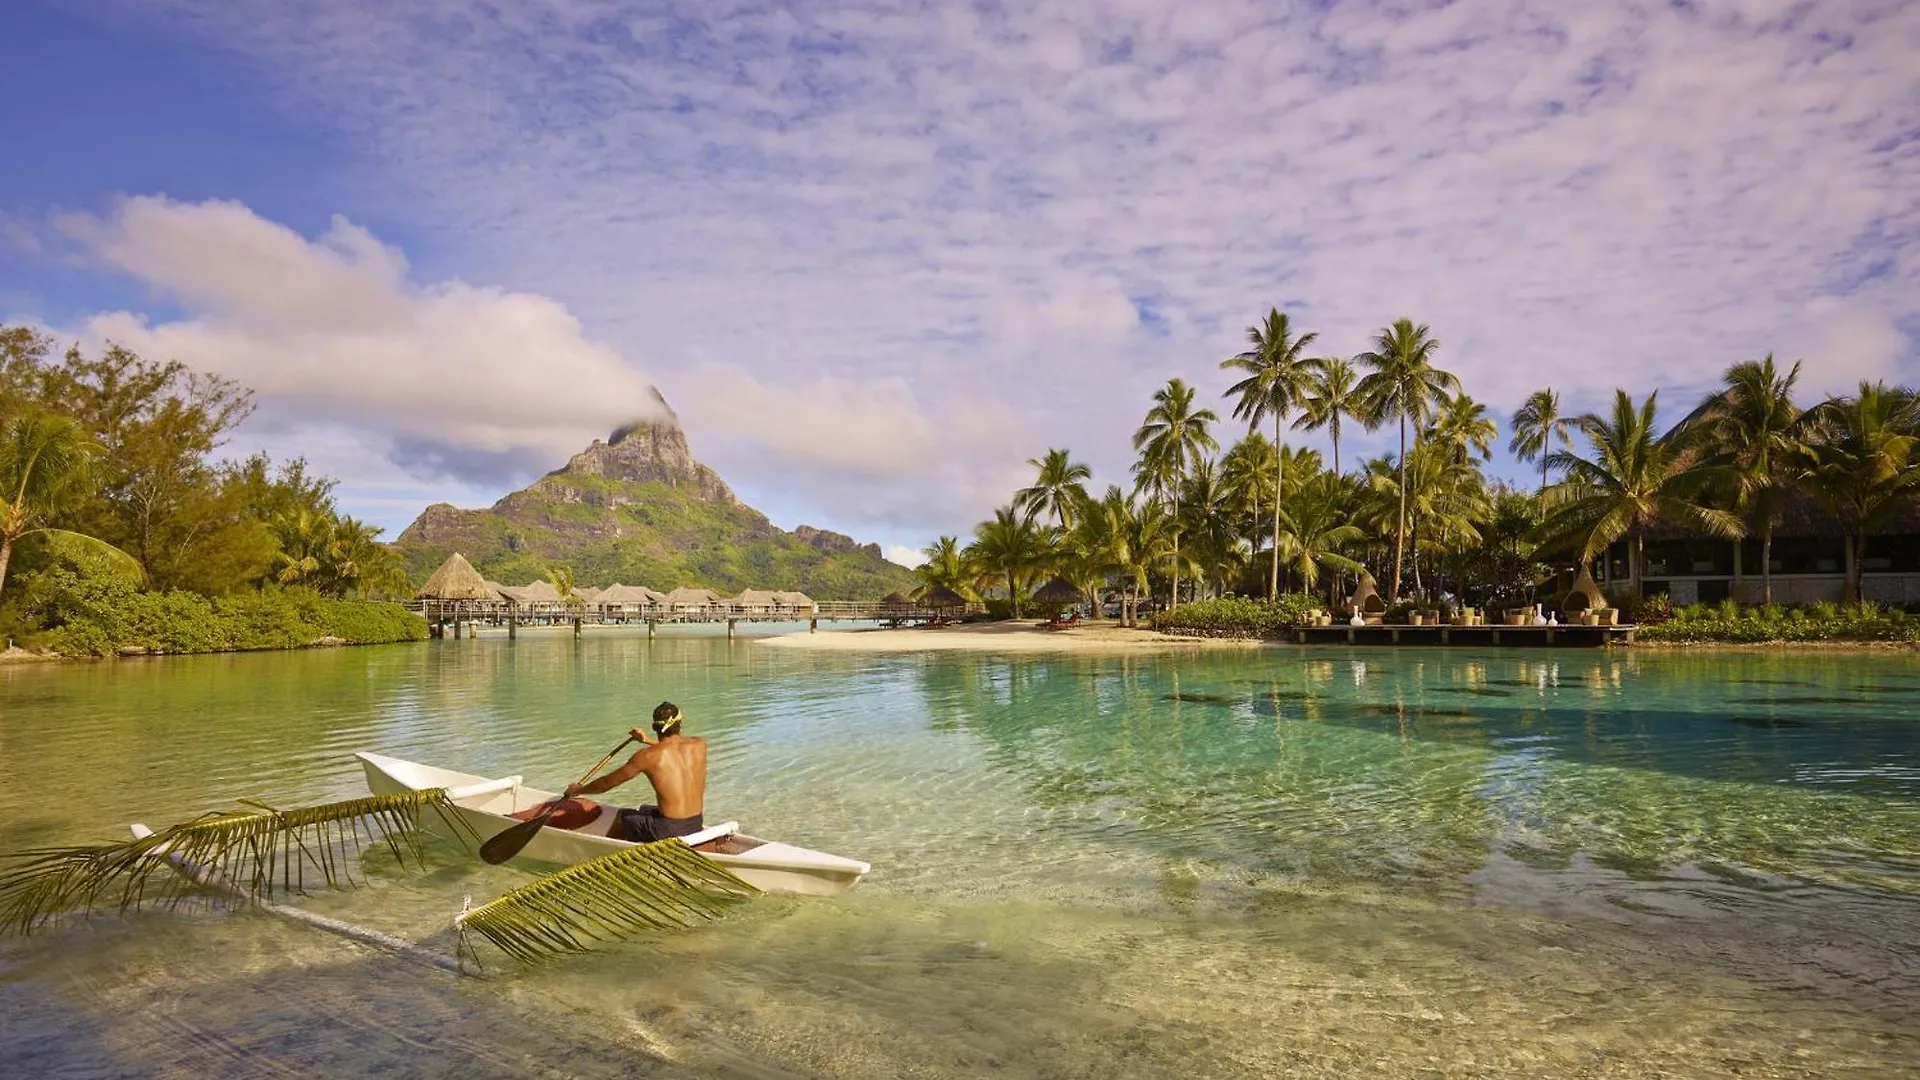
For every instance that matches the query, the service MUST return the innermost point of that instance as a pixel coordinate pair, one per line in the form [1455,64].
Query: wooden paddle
[506,844]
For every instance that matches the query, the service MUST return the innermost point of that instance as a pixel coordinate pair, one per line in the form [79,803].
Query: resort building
[1810,561]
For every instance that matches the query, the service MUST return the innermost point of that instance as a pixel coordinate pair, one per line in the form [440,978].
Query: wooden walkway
[471,614]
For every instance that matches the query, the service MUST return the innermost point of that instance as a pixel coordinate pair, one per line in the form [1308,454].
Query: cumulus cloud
[1036,212]
[908,557]
[467,381]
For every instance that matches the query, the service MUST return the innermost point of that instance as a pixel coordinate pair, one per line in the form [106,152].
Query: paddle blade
[507,843]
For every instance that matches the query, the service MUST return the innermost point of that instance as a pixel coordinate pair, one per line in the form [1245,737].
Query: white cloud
[1008,224]
[906,556]
[331,329]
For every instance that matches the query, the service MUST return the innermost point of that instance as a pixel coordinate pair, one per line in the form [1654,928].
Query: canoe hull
[767,865]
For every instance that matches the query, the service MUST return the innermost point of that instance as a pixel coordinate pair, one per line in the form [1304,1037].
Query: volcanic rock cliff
[639,509]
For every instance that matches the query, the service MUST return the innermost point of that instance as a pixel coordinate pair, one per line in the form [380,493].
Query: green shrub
[84,607]
[1238,616]
[1726,622]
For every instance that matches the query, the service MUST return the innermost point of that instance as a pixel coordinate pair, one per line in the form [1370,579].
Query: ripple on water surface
[1322,863]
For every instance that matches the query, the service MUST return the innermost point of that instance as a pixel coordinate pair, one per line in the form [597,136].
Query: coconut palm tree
[1462,425]
[1247,473]
[1278,375]
[45,463]
[1012,549]
[1537,427]
[1632,479]
[945,567]
[1171,438]
[1314,533]
[1751,436]
[1333,395]
[1149,535]
[1402,384]
[1208,521]
[1059,487]
[1865,462]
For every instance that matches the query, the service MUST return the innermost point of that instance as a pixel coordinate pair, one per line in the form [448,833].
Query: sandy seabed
[1011,636]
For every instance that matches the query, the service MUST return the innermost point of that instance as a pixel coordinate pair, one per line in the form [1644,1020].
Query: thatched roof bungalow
[690,601]
[457,580]
[628,598]
[1057,593]
[757,601]
[798,602]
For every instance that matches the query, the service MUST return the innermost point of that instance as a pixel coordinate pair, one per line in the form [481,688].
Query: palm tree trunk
[1013,592]
[1766,561]
[6,553]
[1634,558]
[1400,533]
[1279,485]
[1856,547]
[1173,595]
[1335,423]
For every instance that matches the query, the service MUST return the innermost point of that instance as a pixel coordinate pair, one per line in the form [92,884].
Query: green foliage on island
[90,607]
[113,489]
[1239,616]
[1729,623]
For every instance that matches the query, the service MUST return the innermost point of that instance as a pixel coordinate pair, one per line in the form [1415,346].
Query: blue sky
[878,254]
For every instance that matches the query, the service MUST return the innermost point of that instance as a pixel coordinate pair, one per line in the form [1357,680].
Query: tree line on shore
[1261,516]
[110,467]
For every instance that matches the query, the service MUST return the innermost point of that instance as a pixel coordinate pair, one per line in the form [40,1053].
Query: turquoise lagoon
[1304,862]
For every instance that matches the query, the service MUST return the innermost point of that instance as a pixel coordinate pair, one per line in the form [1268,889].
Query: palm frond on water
[260,851]
[662,885]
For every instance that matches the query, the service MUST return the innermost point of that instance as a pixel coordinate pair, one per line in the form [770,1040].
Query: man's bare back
[676,766]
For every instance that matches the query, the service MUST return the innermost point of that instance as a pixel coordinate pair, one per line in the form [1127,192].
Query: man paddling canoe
[676,766]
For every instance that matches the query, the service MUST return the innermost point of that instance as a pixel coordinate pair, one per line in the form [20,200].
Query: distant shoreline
[1023,636]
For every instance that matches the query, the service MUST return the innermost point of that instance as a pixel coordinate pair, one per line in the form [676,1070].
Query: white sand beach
[1014,636]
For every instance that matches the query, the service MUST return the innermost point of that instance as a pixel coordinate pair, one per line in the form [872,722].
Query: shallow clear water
[1318,862]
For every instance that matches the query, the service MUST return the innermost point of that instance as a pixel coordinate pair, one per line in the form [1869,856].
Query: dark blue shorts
[646,824]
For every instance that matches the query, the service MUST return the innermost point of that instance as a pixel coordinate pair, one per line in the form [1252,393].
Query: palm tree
[1058,489]
[1011,549]
[945,567]
[306,539]
[1632,480]
[1751,435]
[1172,437]
[1148,535]
[561,578]
[1206,515]
[1402,384]
[1315,532]
[1278,375]
[1463,425]
[1537,426]
[45,462]
[1334,395]
[1865,462]
[1246,479]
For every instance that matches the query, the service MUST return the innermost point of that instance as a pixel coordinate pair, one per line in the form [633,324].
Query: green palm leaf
[655,886]
[260,851]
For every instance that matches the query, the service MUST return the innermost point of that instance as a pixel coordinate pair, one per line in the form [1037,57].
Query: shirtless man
[676,765]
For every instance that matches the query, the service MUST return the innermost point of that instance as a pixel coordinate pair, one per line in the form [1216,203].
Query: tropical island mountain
[637,508]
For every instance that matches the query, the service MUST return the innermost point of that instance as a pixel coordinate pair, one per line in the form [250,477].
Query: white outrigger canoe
[484,805]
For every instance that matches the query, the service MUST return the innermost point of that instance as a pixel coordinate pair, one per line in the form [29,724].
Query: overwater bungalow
[685,601]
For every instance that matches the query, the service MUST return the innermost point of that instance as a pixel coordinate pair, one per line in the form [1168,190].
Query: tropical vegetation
[1210,519]
[123,529]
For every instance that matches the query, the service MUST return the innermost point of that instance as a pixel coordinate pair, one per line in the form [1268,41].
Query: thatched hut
[1366,598]
[941,598]
[457,581]
[757,601]
[628,599]
[684,601]
[1058,593]
[797,602]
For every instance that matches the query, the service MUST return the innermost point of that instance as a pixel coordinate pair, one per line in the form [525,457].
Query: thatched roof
[795,599]
[538,592]
[589,595]
[1057,591]
[942,597]
[457,580]
[684,597]
[897,600]
[629,594]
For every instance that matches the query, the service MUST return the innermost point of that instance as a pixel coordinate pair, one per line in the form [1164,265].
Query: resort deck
[1377,634]
[472,613]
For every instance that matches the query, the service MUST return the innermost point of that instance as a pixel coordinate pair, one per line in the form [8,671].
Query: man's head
[666,719]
